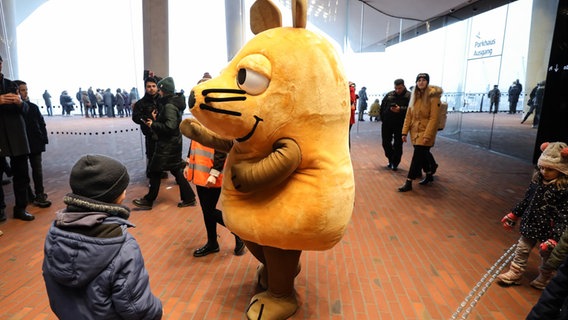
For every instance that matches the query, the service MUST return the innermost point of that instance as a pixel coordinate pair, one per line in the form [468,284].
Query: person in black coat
[47,99]
[553,303]
[37,139]
[14,144]
[494,96]
[93,100]
[167,156]
[514,91]
[66,103]
[393,112]
[142,111]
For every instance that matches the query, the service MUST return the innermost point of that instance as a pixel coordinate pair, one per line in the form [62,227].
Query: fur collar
[76,203]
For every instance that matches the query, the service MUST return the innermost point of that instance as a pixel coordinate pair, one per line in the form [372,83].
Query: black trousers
[20,182]
[208,198]
[496,103]
[420,161]
[37,172]
[185,191]
[392,142]
[513,106]
[101,108]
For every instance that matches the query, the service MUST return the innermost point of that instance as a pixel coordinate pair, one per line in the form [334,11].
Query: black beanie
[423,75]
[167,85]
[99,178]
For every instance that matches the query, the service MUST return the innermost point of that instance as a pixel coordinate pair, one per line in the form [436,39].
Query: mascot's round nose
[191,100]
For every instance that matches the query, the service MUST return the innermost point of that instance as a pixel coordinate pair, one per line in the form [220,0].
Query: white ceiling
[421,10]
[372,25]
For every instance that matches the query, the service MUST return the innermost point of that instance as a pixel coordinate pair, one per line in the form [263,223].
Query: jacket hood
[73,260]
[435,91]
[178,100]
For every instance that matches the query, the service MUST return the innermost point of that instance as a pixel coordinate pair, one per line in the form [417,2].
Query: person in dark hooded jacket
[553,303]
[93,268]
[167,156]
[141,112]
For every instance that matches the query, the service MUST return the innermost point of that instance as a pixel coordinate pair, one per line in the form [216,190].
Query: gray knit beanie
[167,85]
[99,178]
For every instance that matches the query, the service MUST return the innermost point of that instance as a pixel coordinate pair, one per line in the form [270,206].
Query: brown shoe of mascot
[281,110]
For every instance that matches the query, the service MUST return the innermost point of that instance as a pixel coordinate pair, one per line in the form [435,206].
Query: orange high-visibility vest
[199,164]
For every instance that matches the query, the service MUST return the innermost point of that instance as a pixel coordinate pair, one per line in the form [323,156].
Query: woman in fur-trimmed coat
[421,123]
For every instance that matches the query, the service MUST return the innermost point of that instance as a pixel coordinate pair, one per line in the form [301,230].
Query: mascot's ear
[300,13]
[264,15]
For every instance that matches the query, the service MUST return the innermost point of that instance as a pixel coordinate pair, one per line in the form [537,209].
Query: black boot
[239,246]
[429,178]
[407,186]
[22,214]
[206,249]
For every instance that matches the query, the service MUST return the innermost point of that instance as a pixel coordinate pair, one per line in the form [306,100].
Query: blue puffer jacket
[93,268]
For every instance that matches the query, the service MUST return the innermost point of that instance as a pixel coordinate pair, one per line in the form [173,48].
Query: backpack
[443,115]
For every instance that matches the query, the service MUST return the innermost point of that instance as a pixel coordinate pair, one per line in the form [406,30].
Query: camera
[12,87]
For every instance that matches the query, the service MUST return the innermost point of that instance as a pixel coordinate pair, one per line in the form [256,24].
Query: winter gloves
[509,221]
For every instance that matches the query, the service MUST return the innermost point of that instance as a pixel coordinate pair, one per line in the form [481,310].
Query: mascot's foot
[263,306]
[262,276]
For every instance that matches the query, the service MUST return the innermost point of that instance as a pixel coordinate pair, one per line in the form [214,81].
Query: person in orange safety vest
[205,169]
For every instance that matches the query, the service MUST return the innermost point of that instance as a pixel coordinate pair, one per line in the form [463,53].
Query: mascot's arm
[194,130]
[270,171]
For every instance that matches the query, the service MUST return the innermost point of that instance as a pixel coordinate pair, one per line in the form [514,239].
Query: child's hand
[509,221]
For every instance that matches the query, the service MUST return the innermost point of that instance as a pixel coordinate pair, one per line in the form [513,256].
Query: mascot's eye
[252,82]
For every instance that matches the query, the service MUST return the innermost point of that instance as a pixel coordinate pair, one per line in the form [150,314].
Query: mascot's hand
[270,171]
[194,130]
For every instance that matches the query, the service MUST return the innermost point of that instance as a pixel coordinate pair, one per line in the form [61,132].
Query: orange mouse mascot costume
[281,110]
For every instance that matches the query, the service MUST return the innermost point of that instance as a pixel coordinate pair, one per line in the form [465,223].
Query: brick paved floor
[412,255]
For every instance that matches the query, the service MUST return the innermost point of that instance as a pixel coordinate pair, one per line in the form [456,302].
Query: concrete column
[156,37]
[234,12]
[540,42]
[553,124]
[8,39]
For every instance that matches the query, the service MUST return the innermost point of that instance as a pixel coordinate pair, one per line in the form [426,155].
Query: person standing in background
[353,100]
[362,103]
[538,102]
[92,101]
[514,91]
[47,100]
[37,139]
[78,97]
[494,98]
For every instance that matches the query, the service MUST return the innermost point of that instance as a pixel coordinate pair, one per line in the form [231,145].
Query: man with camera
[14,144]
[142,111]
[393,111]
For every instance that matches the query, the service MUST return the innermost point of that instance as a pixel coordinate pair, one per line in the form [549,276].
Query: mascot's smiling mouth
[245,138]
[206,107]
